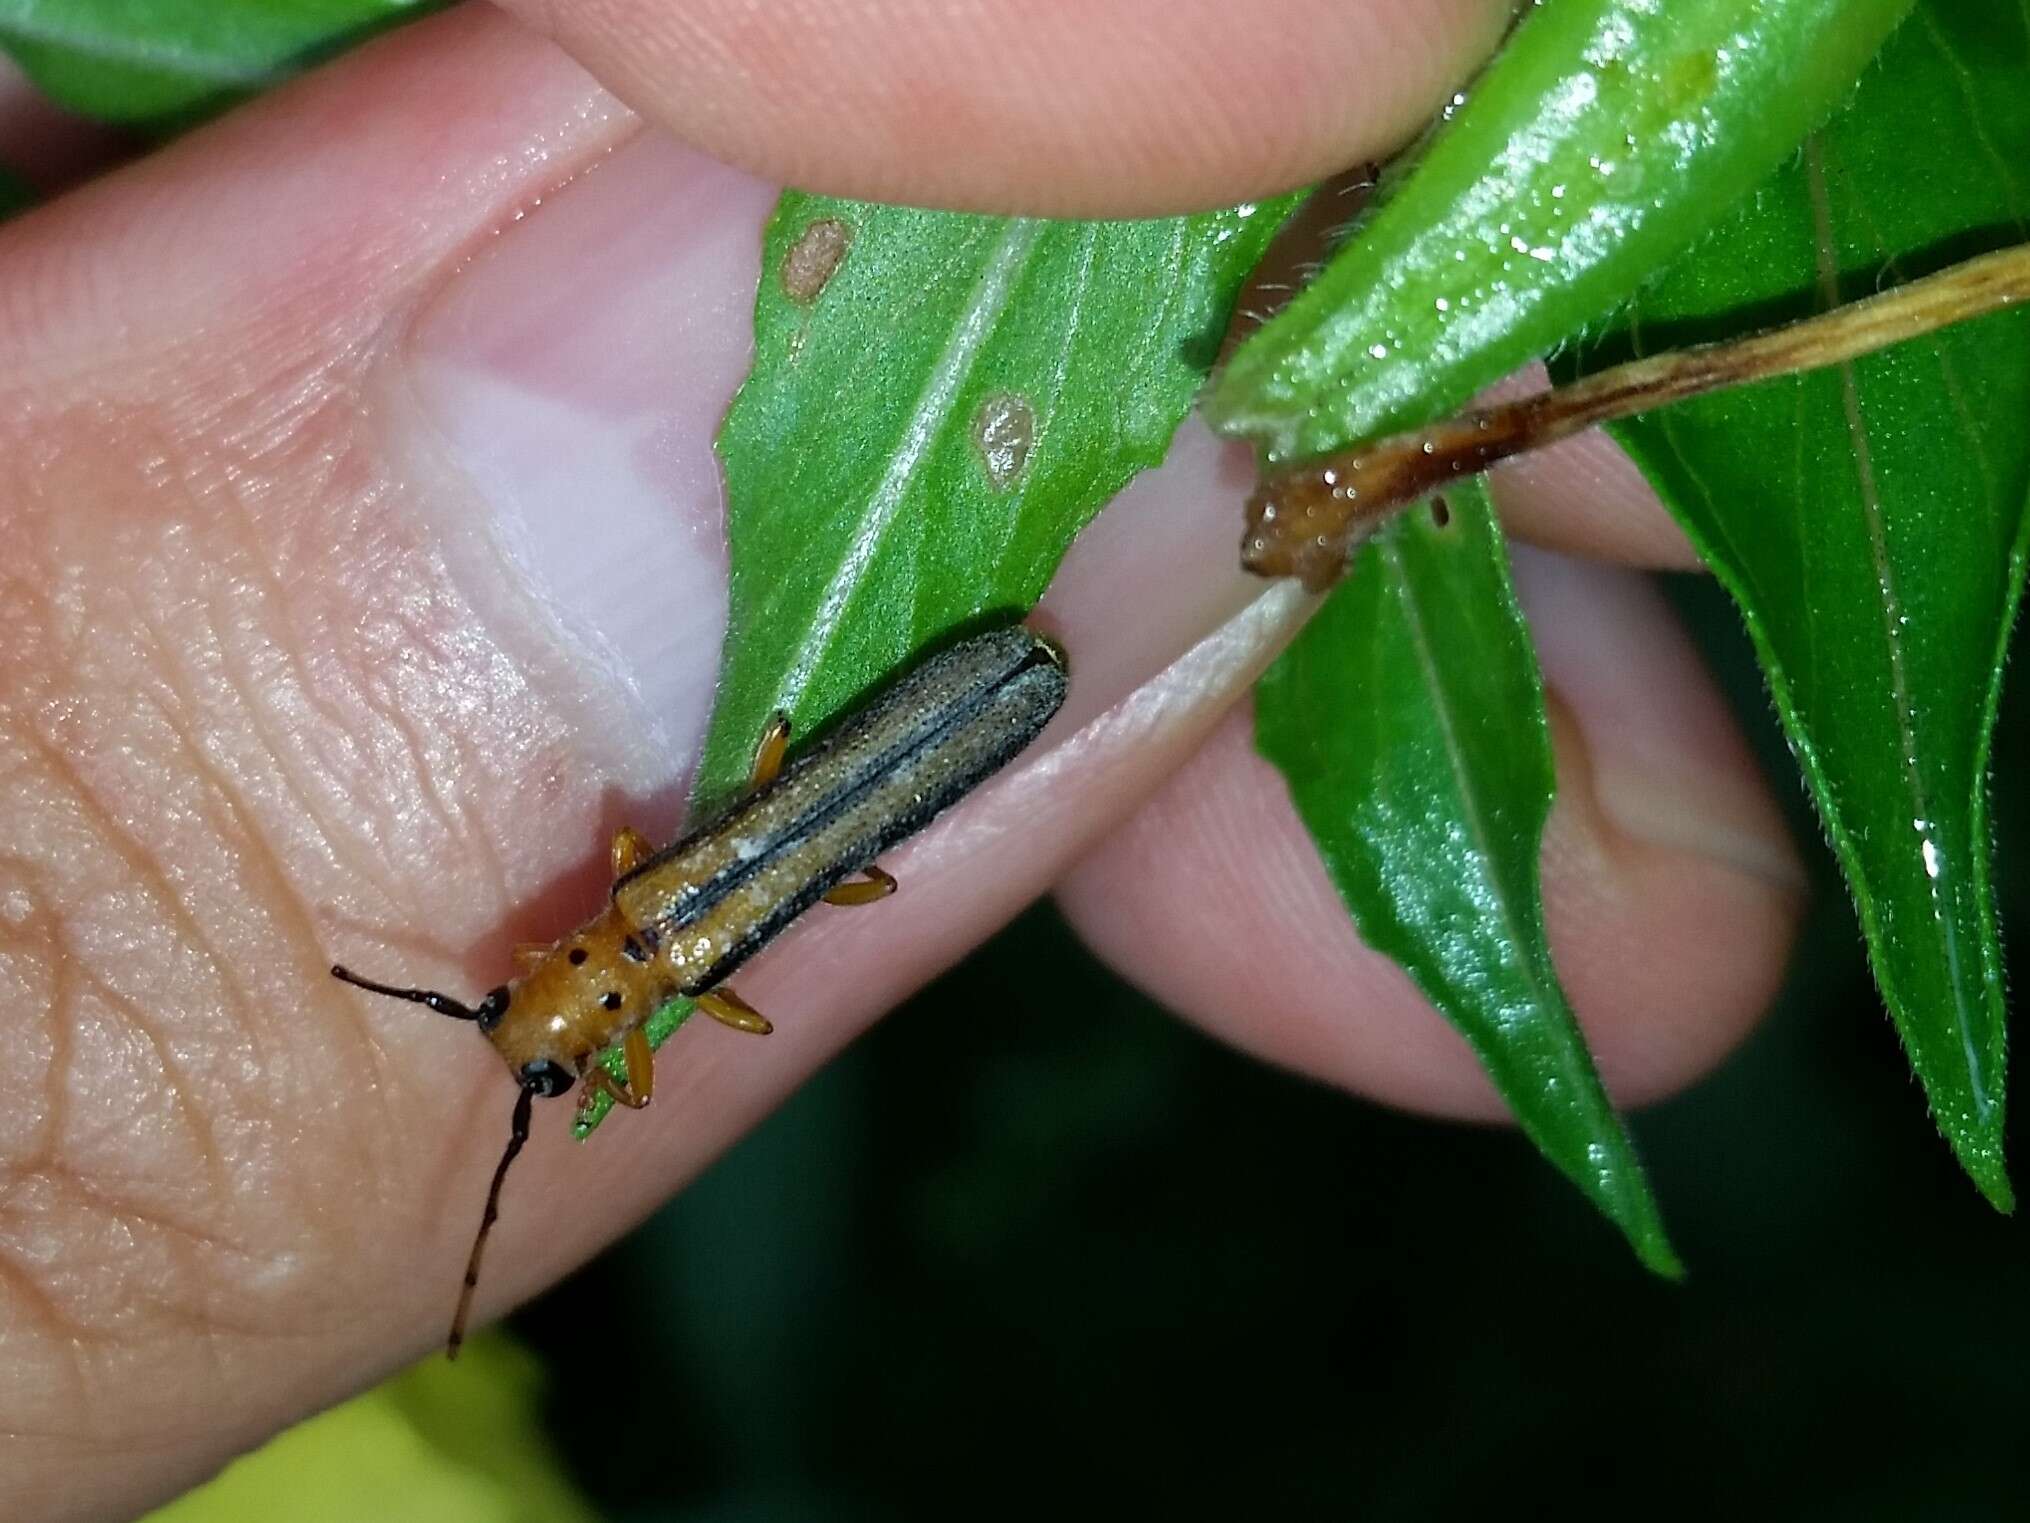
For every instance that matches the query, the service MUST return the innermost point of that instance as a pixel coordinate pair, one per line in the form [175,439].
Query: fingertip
[1054,107]
[1671,897]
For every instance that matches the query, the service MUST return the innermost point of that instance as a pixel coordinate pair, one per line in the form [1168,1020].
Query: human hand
[359,572]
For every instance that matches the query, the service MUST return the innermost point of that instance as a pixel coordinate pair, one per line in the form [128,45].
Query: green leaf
[1408,719]
[938,404]
[160,62]
[1870,520]
[1601,142]
[919,441]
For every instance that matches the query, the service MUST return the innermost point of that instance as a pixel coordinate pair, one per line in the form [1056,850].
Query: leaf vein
[1471,813]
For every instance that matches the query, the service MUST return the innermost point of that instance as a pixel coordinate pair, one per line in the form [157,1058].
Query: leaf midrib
[1455,756]
[1890,605]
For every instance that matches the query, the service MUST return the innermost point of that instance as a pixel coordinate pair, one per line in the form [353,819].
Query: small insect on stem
[681,920]
[1305,520]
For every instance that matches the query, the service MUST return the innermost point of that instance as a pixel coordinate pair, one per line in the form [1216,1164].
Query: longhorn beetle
[682,919]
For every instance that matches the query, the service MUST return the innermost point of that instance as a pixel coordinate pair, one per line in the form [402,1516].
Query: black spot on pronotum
[1441,513]
[577,957]
[610,999]
[814,258]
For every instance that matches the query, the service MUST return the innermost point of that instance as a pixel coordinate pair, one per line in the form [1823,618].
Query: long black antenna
[518,1133]
[443,1004]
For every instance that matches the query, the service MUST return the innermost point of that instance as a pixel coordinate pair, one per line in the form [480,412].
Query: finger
[1671,892]
[1053,106]
[230,692]
[358,579]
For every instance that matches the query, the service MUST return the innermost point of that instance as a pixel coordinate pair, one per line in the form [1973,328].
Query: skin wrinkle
[127,1212]
[469,762]
[274,873]
[381,1161]
[134,1016]
[450,820]
[153,880]
[234,826]
[54,971]
[23,1292]
[136,1019]
[172,674]
[123,1207]
[234,831]
[386,652]
[269,580]
[387,708]
[311,815]
[145,876]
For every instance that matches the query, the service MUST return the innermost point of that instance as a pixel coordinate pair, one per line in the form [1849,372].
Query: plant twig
[1305,520]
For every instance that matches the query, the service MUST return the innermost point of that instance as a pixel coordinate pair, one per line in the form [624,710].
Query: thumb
[361,572]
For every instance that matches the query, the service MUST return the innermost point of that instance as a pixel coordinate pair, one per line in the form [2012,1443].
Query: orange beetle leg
[630,850]
[723,1005]
[768,755]
[640,1087]
[874,885]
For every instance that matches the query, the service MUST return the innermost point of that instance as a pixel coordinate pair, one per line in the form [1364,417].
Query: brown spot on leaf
[1004,430]
[814,258]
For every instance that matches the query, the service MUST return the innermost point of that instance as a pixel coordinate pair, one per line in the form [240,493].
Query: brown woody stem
[1305,520]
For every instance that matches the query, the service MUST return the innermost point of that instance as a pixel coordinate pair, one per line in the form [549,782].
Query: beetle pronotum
[682,919]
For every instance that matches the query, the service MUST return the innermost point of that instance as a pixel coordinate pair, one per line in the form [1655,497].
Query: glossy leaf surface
[149,61]
[1604,139]
[1408,719]
[1870,520]
[938,404]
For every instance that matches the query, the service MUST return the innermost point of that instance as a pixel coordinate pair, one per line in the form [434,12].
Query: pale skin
[255,714]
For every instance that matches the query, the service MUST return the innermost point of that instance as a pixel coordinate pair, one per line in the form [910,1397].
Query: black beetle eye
[491,1009]
[545,1077]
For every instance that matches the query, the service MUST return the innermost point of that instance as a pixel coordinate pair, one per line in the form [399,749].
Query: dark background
[1036,1247]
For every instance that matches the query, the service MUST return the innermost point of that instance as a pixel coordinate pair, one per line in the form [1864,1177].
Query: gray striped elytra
[681,920]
